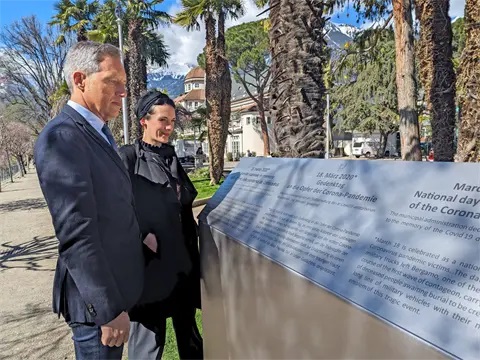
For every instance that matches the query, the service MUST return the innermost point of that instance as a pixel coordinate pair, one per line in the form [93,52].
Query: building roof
[245,108]
[180,98]
[195,73]
[195,94]
[192,95]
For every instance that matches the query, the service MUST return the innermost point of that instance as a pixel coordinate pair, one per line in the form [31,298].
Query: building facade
[244,132]
[194,86]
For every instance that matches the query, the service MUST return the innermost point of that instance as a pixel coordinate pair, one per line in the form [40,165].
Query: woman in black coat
[163,200]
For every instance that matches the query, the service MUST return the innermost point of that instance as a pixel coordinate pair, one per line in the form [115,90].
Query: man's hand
[151,242]
[115,333]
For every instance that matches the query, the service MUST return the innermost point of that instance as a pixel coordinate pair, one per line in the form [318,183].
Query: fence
[5,173]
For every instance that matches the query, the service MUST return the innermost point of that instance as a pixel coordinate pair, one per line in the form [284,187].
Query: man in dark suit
[99,272]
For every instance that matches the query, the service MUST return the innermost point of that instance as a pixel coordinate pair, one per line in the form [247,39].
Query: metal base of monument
[256,309]
[315,259]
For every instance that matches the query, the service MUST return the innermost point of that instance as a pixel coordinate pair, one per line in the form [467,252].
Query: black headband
[150,99]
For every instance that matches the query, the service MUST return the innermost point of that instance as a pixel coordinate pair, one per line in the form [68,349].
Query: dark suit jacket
[100,266]
[172,275]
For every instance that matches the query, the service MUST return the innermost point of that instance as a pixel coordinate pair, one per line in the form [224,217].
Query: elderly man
[100,267]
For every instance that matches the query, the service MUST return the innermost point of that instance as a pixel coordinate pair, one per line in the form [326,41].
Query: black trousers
[147,335]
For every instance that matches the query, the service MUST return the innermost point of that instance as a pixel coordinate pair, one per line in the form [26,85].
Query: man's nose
[122,91]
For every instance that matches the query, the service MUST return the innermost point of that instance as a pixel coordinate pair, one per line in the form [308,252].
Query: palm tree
[297,89]
[437,73]
[74,16]
[142,19]
[218,85]
[468,85]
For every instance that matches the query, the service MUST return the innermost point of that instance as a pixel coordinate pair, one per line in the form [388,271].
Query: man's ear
[142,122]
[79,80]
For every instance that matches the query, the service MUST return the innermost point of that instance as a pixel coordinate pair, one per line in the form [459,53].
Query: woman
[163,200]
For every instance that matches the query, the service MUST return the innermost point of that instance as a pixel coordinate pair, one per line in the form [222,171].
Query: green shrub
[202,173]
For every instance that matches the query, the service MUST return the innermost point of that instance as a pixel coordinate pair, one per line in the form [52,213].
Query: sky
[184,46]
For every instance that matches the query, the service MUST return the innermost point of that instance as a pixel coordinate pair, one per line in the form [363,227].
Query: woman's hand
[151,242]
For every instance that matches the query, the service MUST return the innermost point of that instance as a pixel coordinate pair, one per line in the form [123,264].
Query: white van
[364,148]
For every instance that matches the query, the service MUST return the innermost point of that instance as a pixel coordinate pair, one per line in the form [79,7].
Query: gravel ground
[28,253]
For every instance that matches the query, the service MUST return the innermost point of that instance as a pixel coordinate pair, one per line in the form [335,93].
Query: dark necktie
[108,134]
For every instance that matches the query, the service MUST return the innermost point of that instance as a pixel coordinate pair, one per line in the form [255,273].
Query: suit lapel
[80,120]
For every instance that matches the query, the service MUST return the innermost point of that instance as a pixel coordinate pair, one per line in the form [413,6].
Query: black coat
[100,265]
[172,275]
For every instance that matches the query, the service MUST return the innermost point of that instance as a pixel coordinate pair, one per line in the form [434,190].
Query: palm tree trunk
[437,74]
[468,84]
[263,124]
[298,88]
[213,99]
[135,75]
[406,86]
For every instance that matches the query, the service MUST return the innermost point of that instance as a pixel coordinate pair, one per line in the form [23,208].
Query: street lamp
[118,14]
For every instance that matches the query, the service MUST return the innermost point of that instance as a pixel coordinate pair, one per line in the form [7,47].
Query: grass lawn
[201,180]
[170,352]
[204,188]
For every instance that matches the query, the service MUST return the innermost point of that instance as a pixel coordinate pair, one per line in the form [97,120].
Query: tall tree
[248,53]
[365,92]
[468,84]
[218,80]
[406,81]
[32,64]
[437,73]
[142,17]
[405,65]
[458,41]
[74,16]
[297,88]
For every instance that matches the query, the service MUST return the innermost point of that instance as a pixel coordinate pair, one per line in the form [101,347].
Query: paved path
[28,253]
[28,328]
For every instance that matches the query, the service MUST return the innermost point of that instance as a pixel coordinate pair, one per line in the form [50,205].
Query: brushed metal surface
[254,308]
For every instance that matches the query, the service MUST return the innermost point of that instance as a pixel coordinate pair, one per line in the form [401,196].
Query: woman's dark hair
[146,103]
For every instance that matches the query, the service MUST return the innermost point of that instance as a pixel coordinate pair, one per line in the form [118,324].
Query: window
[248,120]
[189,87]
[196,104]
[269,120]
[197,85]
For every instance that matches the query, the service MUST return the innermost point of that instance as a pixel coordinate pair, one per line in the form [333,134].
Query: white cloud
[185,45]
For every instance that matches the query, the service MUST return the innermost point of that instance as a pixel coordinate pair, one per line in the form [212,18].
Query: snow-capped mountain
[348,30]
[337,35]
[170,78]
[172,83]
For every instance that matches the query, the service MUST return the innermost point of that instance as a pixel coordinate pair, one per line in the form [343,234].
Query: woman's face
[160,125]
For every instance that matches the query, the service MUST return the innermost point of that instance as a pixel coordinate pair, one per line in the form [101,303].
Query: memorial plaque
[399,240]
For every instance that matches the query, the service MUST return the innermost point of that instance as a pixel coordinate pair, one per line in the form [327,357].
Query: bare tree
[16,141]
[31,62]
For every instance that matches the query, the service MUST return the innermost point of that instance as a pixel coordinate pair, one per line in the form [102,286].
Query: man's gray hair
[86,56]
